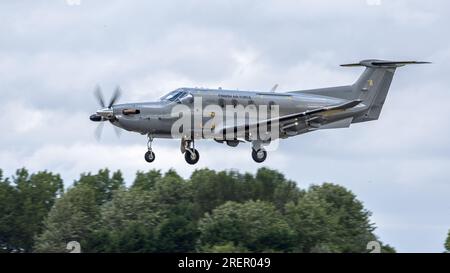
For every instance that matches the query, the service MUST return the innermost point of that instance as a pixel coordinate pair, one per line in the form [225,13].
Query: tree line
[223,211]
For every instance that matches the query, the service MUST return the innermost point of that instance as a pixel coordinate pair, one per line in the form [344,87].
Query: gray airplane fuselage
[156,117]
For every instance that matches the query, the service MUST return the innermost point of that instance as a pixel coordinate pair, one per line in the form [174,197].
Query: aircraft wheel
[149,156]
[191,158]
[259,156]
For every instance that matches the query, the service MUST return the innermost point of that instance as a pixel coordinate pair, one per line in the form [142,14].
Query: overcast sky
[52,55]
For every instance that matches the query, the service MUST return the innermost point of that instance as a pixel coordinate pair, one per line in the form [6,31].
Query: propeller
[99,96]
[106,112]
[115,97]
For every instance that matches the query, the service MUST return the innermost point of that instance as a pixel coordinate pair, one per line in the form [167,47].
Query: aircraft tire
[149,156]
[192,158]
[259,156]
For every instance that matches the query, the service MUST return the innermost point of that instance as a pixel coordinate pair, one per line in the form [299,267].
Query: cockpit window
[174,95]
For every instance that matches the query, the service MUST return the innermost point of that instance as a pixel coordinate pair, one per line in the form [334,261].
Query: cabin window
[174,95]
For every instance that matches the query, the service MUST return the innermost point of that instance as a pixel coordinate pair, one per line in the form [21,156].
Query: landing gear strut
[149,155]
[191,155]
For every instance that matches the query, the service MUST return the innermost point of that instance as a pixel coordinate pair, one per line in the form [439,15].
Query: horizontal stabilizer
[382,63]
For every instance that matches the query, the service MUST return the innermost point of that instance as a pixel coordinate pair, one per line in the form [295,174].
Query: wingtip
[421,62]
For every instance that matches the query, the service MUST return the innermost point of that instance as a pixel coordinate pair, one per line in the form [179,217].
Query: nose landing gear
[149,155]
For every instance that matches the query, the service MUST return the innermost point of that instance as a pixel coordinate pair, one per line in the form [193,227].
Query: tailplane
[373,85]
[371,88]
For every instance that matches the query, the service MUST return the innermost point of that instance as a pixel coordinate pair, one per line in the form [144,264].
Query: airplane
[298,112]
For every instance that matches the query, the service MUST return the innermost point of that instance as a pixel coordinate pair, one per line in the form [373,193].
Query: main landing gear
[259,154]
[191,155]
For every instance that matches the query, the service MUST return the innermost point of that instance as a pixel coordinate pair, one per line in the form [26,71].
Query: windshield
[174,95]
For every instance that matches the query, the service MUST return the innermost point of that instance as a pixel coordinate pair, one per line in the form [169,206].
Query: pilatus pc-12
[297,112]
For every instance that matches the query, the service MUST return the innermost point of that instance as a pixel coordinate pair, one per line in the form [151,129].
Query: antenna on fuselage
[274,88]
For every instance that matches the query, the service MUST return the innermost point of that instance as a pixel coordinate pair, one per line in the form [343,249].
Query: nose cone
[95,118]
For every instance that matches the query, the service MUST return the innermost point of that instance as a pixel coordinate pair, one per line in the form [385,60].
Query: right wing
[293,118]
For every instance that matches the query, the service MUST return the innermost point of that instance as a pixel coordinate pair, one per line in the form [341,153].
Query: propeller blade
[99,130]
[115,97]
[96,117]
[99,96]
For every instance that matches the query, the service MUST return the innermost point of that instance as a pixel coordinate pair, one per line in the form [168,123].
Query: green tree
[177,233]
[211,212]
[329,218]
[447,243]
[146,180]
[172,190]
[10,237]
[211,189]
[353,229]
[128,223]
[102,184]
[312,223]
[385,248]
[253,225]
[271,186]
[228,247]
[23,206]
[37,194]
[178,230]
[74,217]
[149,219]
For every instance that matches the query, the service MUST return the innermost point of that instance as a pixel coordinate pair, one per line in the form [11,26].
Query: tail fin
[373,85]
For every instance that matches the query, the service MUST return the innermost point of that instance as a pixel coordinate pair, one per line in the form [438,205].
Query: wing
[293,118]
